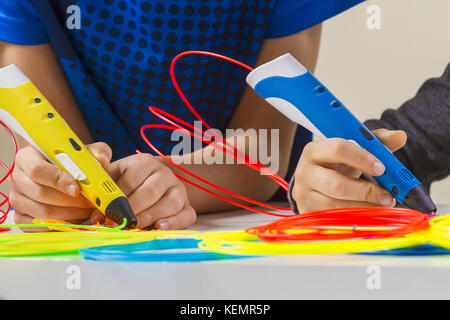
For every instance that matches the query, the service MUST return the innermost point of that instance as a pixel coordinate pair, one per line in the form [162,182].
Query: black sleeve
[289,196]
[426,120]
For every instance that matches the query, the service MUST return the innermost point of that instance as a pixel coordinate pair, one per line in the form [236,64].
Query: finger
[128,175]
[151,191]
[97,217]
[335,185]
[340,151]
[318,201]
[170,204]
[392,139]
[346,170]
[42,172]
[182,220]
[20,218]
[110,223]
[41,210]
[43,194]
[102,152]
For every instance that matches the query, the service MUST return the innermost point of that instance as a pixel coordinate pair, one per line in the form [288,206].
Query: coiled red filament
[175,123]
[5,201]
[343,224]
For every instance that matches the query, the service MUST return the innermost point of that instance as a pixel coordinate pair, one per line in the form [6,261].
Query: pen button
[395,190]
[75,145]
[366,133]
[335,104]
[320,89]
[71,167]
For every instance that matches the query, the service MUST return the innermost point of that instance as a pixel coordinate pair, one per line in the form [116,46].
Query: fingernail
[104,155]
[378,168]
[385,199]
[383,133]
[99,155]
[164,225]
[72,189]
[394,202]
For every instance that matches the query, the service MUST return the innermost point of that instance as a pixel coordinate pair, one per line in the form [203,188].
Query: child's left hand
[327,175]
[156,195]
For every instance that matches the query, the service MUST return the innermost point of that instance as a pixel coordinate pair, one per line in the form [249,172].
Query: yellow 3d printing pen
[26,112]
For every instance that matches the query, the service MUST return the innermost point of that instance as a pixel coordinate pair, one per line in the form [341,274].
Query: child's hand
[40,189]
[328,170]
[156,196]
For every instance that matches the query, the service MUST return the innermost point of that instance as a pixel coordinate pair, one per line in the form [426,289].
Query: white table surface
[282,277]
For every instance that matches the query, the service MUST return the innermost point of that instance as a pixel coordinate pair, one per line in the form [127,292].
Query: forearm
[254,113]
[230,174]
[41,65]
[426,120]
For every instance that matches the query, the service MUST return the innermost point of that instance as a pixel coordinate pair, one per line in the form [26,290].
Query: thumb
[102,152]
[392,139]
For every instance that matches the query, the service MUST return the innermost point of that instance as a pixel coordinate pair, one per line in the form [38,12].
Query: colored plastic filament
[243,243]
[51,243]
[222,145]
[170,250]
[4,201]
[422,250]
[344,223]
[440,231]
[346,230]
[438,236]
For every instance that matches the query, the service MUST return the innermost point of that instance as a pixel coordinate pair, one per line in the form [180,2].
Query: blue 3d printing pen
[288,86]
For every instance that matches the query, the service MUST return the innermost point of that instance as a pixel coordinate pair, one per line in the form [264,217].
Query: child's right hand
[40,189]
[328,171]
